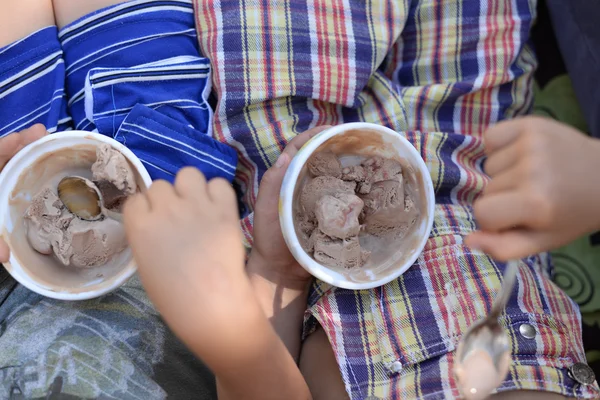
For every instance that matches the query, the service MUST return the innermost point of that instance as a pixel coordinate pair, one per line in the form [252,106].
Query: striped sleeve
[146,84]
[32,84]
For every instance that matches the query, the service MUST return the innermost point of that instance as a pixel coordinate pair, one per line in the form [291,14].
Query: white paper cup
[375,140]
[48,160]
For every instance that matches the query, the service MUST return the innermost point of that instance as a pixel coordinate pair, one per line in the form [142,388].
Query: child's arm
[544,192]
[279,282]
[187,243]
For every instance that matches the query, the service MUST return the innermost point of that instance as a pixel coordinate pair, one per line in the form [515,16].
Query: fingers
[270,185]
[508,245]
[501,160]
[514,213]
[4,251]
[502,134]
[190,183]
[504,182]
[135,209]
[161,195]
[503,211]
[135,215]
[11,144]
[33,133]
[300,140]
[222,194]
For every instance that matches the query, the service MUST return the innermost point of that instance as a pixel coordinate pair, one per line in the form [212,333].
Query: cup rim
[286,200]
[18,272]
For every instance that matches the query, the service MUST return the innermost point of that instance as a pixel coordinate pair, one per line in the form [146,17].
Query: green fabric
[577,272]
[557,100]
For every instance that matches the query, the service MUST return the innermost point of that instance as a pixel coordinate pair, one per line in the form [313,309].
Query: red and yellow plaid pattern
[438,72]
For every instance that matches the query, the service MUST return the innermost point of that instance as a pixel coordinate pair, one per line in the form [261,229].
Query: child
[197,221]
[131,70]
[440,73]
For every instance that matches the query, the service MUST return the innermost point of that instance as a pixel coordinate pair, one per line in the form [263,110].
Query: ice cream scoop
[483,354]
[83,198]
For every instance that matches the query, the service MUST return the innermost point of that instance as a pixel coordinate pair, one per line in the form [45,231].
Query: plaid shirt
[438,72]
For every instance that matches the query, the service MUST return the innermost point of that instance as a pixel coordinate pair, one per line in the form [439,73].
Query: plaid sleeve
[281,68]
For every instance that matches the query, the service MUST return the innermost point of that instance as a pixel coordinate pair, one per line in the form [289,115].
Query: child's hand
[188,247]
[544,192]
[9,146]
[270,254]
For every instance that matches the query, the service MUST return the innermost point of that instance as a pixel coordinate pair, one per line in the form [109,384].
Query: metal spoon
[486,344]
[83,198]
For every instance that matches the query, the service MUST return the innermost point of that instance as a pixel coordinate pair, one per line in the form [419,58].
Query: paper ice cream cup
[22,178]
[363,140]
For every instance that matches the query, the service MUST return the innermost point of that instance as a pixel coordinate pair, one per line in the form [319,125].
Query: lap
[113,347]
[104,347]
[399,339]
[319,367]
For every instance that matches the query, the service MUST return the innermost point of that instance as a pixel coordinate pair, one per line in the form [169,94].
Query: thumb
[268,193]
[4,251]
[273,178]
[11,144]
[509,245]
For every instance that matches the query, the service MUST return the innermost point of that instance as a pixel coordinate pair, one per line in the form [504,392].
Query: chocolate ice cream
[338,253]
[52,229]
[388,210]
[112,166]
[340,206]
[337,215]
[322,186]
[325,164]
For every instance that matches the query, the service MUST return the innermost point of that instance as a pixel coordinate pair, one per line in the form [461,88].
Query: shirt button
[582,373]
[396,367]
[527,331]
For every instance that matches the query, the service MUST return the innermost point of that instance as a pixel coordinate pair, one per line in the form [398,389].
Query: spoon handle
[113,215]
[510,277]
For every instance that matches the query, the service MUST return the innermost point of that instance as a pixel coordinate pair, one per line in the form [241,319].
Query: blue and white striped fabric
[32,75]
[133,72]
